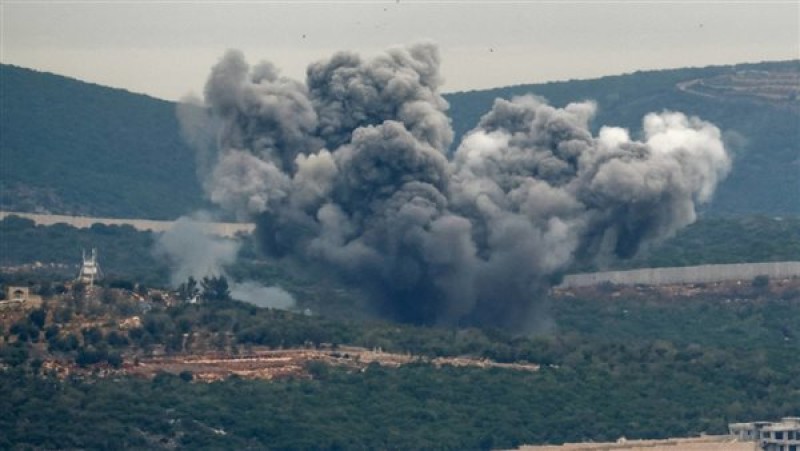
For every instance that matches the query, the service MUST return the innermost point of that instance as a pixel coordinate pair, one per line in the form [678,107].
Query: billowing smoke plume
[349,173]
[192,251]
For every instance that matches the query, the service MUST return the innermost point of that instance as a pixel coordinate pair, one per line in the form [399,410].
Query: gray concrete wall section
[226,229]
[686,274]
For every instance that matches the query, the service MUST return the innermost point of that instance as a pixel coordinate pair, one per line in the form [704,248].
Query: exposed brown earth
[268,364]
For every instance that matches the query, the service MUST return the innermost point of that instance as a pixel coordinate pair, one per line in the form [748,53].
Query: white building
[781,436]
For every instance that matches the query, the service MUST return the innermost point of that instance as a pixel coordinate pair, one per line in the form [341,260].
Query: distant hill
[77,148]
[72,147]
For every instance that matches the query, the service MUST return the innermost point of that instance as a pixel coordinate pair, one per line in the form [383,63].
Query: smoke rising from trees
[349,172]
[192,251]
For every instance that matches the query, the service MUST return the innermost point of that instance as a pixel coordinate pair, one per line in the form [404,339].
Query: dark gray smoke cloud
[348,172]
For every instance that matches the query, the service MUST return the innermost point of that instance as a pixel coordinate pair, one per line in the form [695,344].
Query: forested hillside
[71,147]
[77,148]
[632,368]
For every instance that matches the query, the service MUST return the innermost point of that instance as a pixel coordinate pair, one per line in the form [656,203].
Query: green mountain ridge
[78,148]
[73,147]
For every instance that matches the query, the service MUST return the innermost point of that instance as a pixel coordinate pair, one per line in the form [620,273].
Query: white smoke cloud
[193,251]
[262,296]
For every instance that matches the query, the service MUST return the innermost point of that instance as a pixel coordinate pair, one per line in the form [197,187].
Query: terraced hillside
[780,88]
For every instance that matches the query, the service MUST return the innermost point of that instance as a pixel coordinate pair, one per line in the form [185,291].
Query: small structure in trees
[18,295]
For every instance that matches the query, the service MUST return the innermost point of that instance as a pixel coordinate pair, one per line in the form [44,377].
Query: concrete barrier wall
[686,274]
[226,229]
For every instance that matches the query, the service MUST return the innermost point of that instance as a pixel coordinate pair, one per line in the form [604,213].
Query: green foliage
[186,376]
[716,240]
[730,324]
[188,290]
[760,281]
[92,335]
[215,288]
[38,317]
[74,147]
[125,253]
[90,356]
[664,393]
[638,368]
[25,330]
[14,355]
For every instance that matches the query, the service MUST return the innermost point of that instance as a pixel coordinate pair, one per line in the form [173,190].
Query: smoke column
[193,252]
[348,172]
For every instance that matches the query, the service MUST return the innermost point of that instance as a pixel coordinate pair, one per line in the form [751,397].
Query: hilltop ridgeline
[77,148]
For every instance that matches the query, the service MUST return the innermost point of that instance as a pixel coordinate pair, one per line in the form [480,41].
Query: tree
[760,281]
[25,331]
[186,375]
[38,317]
[14,355]
[90,356]
[51,332]
[92,335]
[215,288]
[188,290]
[114,359]
[117,339]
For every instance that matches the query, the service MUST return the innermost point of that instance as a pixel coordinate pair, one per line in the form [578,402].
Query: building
[16,295]
[783,435]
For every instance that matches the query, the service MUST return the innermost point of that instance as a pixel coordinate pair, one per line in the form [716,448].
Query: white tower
[90,269]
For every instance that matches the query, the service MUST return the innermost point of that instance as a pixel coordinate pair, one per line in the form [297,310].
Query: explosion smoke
[349,172]
[193,252]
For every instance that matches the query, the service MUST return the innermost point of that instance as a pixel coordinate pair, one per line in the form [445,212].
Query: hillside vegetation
[126,253]
[608,369]
[78,148]
[72,147]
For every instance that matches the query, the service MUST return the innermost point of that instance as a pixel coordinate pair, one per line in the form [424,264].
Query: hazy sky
[165,48]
